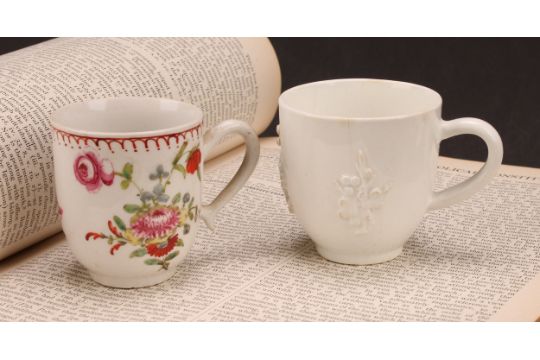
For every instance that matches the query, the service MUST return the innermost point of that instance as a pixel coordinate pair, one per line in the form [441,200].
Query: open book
[475,261]
[228,78]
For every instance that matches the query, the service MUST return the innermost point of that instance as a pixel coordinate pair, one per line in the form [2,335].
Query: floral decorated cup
[128,181]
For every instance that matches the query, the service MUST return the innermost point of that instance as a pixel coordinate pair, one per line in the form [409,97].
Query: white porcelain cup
[358,162]
[128,181]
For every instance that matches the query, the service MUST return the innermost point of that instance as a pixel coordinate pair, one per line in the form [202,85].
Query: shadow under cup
[358,162]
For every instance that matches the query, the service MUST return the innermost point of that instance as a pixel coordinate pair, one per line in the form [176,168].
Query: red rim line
[67,138]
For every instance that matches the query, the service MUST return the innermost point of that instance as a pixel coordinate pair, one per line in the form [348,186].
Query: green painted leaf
[176,198]
[180,168]
[176,159]
[119,223]
[179,242]
[180,153]
[138,253]
[131,208]
[172,255]
[124,184]
[199,173]
[190,216]
[151,262]
[127,171]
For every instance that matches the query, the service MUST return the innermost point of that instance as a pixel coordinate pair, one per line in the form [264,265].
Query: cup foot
[132,282]
[352,258]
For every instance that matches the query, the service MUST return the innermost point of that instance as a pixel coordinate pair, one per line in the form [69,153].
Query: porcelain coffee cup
[128,181]
[358,162]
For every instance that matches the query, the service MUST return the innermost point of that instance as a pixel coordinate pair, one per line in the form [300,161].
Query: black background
[497,80]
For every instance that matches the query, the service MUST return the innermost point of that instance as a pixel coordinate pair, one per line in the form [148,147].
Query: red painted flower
[193,161]
[92,172]
[94,235]
[115,248]
[163,248]
[155,223]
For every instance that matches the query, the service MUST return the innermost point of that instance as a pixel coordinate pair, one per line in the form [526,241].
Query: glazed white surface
[358,182]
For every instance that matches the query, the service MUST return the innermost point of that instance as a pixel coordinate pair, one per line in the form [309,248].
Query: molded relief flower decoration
[360,195]
[92,172]
[157,220]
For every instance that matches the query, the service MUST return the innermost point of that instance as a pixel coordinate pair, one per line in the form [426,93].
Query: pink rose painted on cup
[92,172]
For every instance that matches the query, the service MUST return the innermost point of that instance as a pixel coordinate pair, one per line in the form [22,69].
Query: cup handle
[467,188]
[210,139]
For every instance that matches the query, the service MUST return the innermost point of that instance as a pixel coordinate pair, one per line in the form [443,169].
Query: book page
[525,304]
[464,263]
[226,77]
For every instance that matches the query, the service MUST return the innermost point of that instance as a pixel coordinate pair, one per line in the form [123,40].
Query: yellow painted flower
[184,216]
[156,240]
[131,238]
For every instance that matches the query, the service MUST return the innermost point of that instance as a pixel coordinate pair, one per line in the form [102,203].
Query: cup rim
[83,106]
[283,102]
